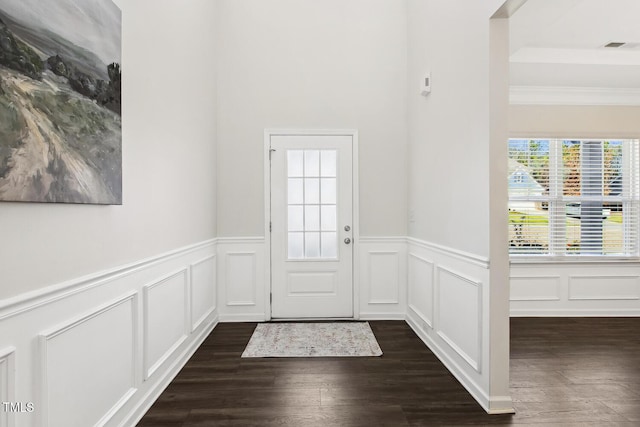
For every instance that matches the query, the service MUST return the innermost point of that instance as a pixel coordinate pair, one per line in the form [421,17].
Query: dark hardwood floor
[564,372]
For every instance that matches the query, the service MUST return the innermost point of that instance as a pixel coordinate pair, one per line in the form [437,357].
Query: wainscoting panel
[421,288]
[535,288]
[575,289]
[241,283]
[384,274]
[203,293]
[243,280]
[382,278]
[98,360]
[76,350]
[460,328]
[165,319]
[604,287]
[7,384]
[447,293]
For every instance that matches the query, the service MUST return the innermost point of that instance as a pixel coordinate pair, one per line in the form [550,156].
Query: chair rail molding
[142,325]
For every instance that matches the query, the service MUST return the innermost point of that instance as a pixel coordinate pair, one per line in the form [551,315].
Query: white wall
[449,129]
[169,177]
[575,288]
[457,261]
[307,64]
[121,296]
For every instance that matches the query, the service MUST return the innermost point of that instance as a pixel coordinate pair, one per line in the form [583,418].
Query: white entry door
[311,226]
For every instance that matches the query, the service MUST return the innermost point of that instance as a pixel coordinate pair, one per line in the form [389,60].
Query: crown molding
[552,95]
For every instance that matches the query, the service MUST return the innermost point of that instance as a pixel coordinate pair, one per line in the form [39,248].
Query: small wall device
[425,85]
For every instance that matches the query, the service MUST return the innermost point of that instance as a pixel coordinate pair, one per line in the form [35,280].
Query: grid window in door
[311,202]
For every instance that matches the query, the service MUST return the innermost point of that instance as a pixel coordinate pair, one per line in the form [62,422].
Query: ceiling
[559,46]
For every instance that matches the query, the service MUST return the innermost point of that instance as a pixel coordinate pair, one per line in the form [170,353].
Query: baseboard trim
[236,318]
[501,405]
[152,395]
[31,300]
[476,392]
[575,313]
[381,316]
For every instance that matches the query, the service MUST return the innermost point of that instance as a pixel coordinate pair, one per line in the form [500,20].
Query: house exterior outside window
[572,198]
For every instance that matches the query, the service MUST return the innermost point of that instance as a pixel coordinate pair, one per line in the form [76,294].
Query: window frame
[555,198]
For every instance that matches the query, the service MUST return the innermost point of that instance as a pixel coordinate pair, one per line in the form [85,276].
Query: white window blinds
[573,197]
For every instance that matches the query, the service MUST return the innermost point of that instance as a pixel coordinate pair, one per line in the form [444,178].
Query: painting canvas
[60,114]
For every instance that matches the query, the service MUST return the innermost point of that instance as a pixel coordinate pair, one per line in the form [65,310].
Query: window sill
[591,260]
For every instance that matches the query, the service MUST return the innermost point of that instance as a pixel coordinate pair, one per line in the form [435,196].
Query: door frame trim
[353,133]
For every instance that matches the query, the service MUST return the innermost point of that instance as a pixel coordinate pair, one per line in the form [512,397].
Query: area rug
[339,339]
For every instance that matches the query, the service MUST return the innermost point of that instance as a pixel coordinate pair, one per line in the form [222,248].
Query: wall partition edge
[107,328]
[446,290]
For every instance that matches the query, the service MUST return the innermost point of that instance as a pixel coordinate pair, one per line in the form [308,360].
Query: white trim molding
[381,272]
[58,367]
[447,295]
[96,330]
[553,95]
[563,289]
[165,318]
[202,291]
[480,261]
[7,384]
[32,300]
[472,302]
[242,271]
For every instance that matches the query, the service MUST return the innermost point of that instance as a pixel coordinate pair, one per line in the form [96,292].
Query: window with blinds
[574,197]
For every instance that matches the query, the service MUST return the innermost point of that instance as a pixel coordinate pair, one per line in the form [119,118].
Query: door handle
[347,240]
[347,228]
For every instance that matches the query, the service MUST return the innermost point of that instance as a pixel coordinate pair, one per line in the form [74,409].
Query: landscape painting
[60,108]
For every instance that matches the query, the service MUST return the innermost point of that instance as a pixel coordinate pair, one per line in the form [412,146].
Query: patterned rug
[340,339]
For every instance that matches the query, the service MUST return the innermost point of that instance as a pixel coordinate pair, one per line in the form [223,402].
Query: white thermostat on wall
[425,85]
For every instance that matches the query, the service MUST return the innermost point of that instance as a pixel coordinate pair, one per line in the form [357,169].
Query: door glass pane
[296,218]
[294,163]
[311,163]
[311,191]
[312,218]
[312,245]
[296,194]
[328,191]
[328,215]
[328,163]
[296,245]
[311,204]
[329,245]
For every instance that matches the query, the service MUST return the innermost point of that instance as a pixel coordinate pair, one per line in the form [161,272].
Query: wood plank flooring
[564,372]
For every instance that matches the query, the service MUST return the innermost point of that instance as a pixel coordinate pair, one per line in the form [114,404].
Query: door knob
[347,228]
[347,240]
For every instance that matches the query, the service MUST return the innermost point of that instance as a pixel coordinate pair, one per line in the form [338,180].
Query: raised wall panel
[7,385]
[203,290]
[88,366]
[604,287]
[384,277]
[165,319]
[80,345]
[459,314]
[535,288]
[241,285]
[421,287]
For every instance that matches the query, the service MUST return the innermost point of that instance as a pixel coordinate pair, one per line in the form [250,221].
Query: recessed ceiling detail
[584,48]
